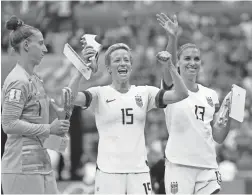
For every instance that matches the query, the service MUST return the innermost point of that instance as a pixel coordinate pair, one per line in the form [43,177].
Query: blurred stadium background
[223,31]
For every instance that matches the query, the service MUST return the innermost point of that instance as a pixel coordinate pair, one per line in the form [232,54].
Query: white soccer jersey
[120,120]
[190,133]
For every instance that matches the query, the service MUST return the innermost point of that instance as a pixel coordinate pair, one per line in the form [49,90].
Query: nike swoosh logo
[110,100]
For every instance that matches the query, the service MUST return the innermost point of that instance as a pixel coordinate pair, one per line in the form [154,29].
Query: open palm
[170,26]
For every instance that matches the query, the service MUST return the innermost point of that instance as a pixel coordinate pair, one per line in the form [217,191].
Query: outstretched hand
[171,27]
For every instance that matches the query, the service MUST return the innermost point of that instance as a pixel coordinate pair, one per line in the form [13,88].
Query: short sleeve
[94,91]
[215,98]
[152,93]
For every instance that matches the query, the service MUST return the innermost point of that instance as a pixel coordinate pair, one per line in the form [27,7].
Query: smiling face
[189,63]
[120,65]
[118,60]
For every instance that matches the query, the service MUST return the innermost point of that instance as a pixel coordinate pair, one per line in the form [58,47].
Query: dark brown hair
[182,48]
[20,31]
[185,46]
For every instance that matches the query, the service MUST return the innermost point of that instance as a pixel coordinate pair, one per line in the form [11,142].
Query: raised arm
[171,28]
[80,98]
[180,91]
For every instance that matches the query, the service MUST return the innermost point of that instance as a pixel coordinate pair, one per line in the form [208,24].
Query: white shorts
[122,183]
[183,179]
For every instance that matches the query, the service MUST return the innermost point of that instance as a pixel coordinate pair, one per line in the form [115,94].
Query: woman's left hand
[171,27]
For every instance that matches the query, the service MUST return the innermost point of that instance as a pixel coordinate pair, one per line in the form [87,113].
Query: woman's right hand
[171,27]
[59,127]
[164,57]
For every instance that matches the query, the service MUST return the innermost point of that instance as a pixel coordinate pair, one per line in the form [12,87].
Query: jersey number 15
[127,116]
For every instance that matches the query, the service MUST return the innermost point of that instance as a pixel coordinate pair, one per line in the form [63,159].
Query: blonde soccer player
[120,113]
[26,165]
[193,124]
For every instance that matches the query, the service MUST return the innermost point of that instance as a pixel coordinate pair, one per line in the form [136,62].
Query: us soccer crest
[209,101]
[139,100]
[174,187]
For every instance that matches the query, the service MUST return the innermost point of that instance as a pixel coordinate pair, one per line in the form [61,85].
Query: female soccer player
[26,166]
[191,166]
[120,112]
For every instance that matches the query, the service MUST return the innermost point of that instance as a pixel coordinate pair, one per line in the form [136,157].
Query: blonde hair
[113,48]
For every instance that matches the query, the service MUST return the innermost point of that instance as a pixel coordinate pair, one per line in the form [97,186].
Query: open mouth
[122,71]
